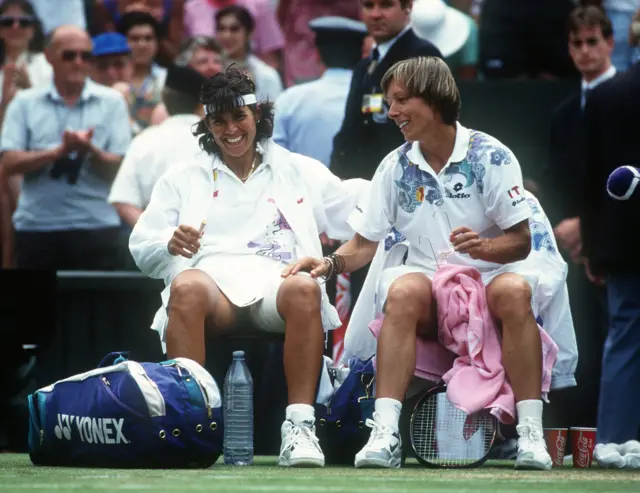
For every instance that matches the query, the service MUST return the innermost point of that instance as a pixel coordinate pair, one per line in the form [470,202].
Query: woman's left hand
[464,240]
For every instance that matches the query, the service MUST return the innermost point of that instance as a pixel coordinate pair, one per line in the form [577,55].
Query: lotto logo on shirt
[516,195]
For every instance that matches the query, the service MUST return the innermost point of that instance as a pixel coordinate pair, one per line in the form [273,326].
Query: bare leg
[194,299]
[410,309]
[298,303]
[509,299]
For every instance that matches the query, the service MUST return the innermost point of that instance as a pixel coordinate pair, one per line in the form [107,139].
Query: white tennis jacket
[312,199]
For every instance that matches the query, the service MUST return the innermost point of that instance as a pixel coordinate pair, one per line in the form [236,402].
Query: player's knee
[300,293]
[189,292]
[408,296]
[509,296]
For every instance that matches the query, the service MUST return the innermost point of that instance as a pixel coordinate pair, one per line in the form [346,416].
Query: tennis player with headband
[455,194]
[221,228]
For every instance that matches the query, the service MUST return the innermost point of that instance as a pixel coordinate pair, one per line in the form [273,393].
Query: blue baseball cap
[110,44]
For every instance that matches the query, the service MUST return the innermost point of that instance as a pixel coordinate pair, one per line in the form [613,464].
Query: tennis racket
[445,437]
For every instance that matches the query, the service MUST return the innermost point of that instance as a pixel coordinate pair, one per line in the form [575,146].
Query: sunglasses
[70,55]
[8,21]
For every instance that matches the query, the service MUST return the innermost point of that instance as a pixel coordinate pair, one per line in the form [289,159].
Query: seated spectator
[168,13]
[202,54]
[230,271]
[267,40]
[111,62]
[454,34]
[63,220]
[477,217]
[234,28]
[144,90]
[160,147]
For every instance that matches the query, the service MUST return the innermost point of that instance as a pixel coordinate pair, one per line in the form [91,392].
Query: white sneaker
[532,447]
[300,446]
[384,448]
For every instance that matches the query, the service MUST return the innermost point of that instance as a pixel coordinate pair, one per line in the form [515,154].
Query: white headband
[245,100]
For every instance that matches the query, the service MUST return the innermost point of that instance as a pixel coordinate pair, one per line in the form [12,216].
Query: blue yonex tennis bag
[129,415]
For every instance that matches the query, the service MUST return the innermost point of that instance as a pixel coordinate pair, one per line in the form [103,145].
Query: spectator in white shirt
[220,230]
[159,147]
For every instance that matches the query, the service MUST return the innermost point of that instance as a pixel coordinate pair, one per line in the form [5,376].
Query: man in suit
[612,130]
[590,47]
[367,135]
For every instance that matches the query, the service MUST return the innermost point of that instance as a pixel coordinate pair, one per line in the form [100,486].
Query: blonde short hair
[430,79]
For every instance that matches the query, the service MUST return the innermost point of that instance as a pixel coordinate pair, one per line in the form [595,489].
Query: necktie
[583,97]
[375,59]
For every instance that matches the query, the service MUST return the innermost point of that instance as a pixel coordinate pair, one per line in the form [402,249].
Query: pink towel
[475,378]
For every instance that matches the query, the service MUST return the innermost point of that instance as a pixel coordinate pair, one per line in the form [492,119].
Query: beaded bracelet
[336,264]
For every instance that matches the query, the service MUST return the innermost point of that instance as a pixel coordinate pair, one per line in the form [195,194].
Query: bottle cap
[238,354]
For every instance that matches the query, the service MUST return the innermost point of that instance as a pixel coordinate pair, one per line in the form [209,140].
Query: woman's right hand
[316,267]
[185,241]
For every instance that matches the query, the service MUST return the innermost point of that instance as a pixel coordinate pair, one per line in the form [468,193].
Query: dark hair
[137,18]
[36,45]
[223,91]
[590,16]
[242,15]
[178,102]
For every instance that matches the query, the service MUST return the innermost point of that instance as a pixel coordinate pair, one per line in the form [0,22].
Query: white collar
[265,147]
[383,48]
[460,149]
[606,75]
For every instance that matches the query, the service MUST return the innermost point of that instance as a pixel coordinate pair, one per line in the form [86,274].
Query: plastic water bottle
[238,413]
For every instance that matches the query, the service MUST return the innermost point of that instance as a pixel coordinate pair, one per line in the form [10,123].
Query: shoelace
[378,430]
[302,436]
[531,434]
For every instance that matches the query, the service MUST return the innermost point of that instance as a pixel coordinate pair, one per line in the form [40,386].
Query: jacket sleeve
[337,199]
[347,135]
[150,236]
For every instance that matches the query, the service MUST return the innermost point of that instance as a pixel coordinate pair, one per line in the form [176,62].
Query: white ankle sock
[531,408]
[389,411]
[303,412]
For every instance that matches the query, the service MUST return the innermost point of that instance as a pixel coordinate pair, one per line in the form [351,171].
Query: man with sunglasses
[68,139]
[111,59]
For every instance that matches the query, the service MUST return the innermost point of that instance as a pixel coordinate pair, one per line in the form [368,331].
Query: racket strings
[444,435]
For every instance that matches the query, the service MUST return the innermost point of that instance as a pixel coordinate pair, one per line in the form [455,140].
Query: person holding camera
[68,139]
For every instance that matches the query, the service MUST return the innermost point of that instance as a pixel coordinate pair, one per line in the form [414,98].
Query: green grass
[17,474]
